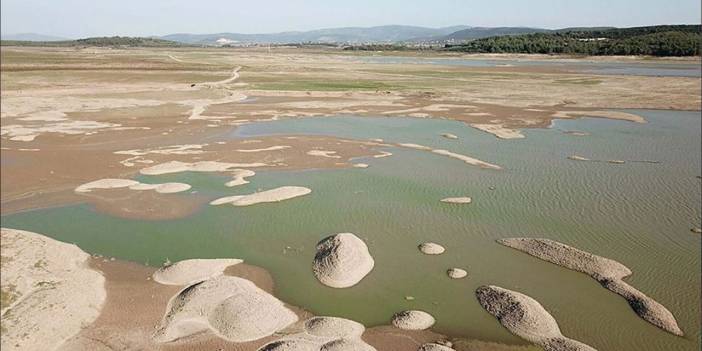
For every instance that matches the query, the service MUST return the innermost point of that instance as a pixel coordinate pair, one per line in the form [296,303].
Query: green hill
[669,40]
[98,41]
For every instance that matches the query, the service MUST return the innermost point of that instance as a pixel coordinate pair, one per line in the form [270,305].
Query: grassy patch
[8,295]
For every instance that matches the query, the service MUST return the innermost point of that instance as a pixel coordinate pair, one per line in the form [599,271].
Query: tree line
[683,40]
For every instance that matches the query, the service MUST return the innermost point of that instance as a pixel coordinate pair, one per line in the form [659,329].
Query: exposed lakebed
[637,213]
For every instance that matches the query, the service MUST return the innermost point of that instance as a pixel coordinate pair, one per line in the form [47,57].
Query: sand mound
[526,318]
[346,345]
[192,271]
[232,307]
[238,177]
[273,195]
[499,131]
[431,248]
[48,290]
[323,333]
[457,273]
[608,272]
[342,260]
[333,327]
[413,320]
[434,347]
[202,166]
[457,200]
[449,136]
[360,165]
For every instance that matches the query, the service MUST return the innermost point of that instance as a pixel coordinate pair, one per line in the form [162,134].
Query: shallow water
[639,214]
[616,68]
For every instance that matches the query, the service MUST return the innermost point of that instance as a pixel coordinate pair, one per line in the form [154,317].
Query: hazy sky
[82,18]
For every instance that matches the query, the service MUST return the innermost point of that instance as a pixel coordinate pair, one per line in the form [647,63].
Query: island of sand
[608,272]
[526,318]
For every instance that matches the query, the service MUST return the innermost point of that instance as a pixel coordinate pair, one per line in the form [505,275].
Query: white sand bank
[239,177]
[192,271]
[272,195]
[49,290]
[114,183]
[457,200]
[323,333]
[202,166]
[233,308]
[499,131]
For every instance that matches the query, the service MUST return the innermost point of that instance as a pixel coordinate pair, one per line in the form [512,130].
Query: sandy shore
[134,304]
[49,292]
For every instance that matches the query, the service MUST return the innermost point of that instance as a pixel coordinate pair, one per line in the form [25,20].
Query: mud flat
[233,308]
[49,292]
[526,318]
[499,131]
[272,195]
[342,260]
[608,272]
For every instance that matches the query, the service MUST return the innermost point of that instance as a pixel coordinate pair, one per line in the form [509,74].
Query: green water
[637,213]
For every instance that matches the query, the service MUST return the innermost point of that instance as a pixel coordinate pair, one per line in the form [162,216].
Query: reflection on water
[637,213]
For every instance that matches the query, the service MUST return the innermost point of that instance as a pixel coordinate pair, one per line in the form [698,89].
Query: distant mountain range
[31,37]
[360,35]
[392,33]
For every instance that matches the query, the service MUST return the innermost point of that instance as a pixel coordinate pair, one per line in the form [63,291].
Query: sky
[85,18]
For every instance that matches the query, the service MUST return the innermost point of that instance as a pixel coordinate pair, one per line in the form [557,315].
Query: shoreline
[135,303]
